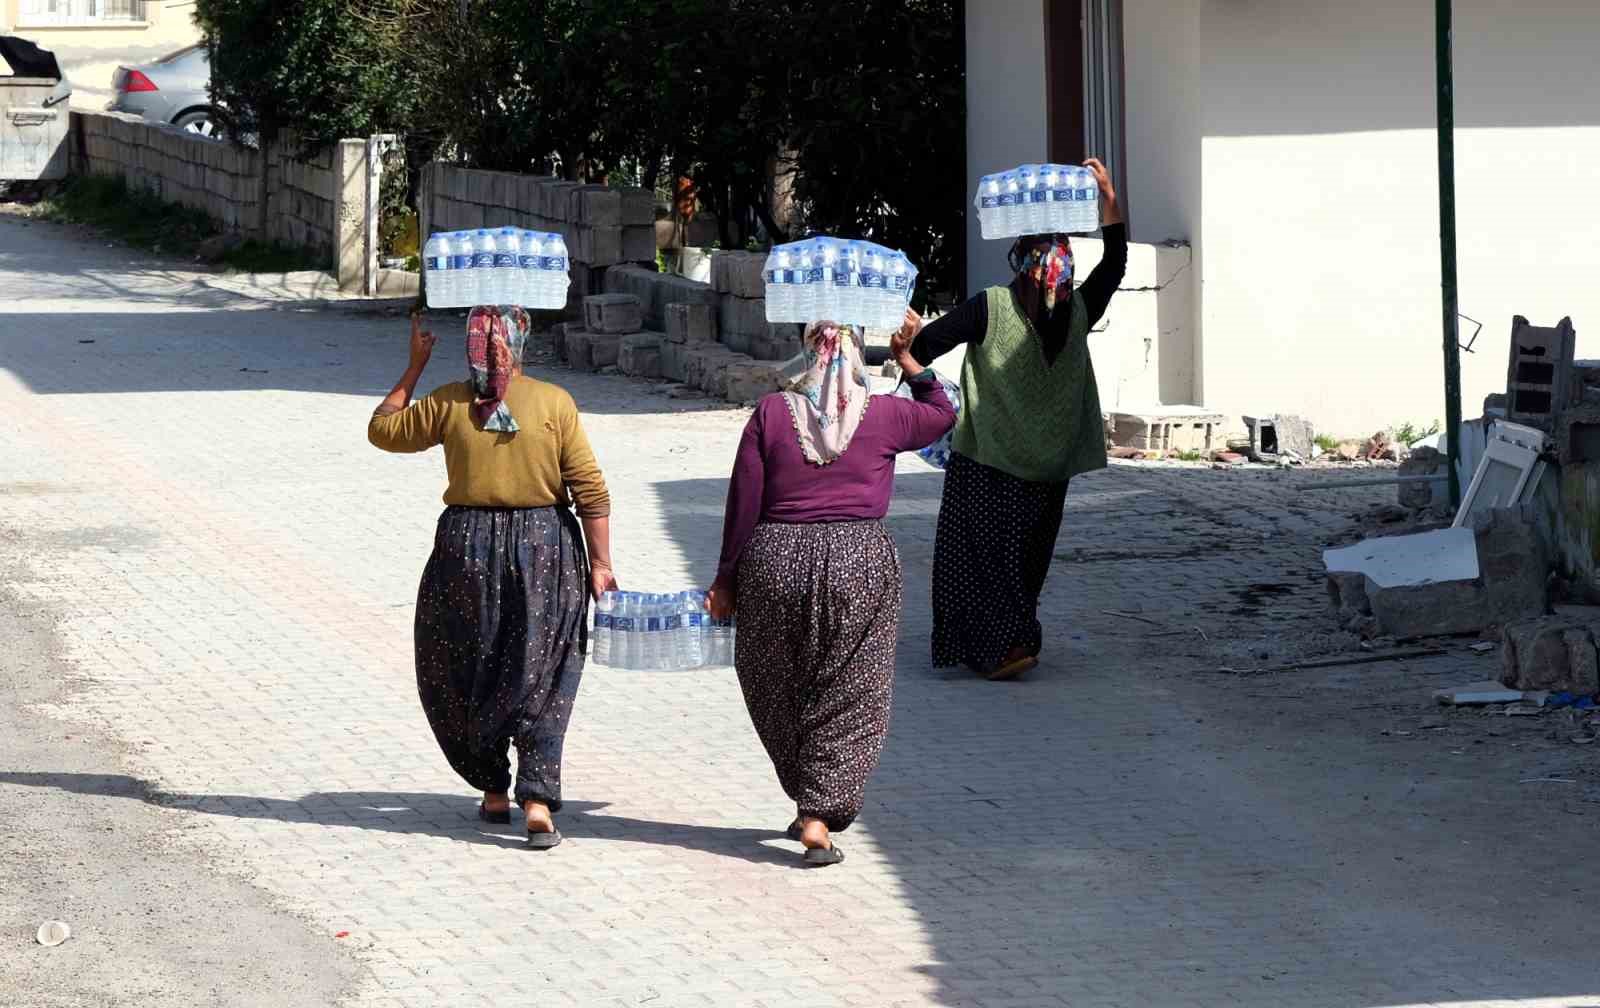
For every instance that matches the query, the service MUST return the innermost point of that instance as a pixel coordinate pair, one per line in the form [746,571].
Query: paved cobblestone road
[233,569]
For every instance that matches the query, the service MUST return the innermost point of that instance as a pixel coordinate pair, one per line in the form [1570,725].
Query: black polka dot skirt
[501,631]
[995,539]
[819,617]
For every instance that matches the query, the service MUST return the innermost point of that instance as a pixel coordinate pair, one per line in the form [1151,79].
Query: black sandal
[822,857]
[500,818]
[543,841]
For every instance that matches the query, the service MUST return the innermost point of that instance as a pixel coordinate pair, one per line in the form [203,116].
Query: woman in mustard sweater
[1030,421]
[502,612]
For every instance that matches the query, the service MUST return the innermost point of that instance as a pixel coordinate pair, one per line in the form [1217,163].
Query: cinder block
[599,206]
[674,360]
[656,290]
[601,246]
[587,351]
[638,244]
[640,355]
[1578,435]
[768,348]
[738,342]
[691,323]
[1177,430]
[744,316]
[749,382]
[638,207]
[739,273]
[612,313]
[557,200]
[1539,372]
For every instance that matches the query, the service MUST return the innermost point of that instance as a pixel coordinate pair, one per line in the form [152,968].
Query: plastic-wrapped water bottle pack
[660,633]
[938,453]
[507,265]
[1038,199]
[841,280]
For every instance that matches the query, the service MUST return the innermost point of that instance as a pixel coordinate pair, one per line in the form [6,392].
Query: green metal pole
[1447,243]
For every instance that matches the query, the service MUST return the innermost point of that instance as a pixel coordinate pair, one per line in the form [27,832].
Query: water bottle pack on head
[499,266]
[1038,199]
[838,280]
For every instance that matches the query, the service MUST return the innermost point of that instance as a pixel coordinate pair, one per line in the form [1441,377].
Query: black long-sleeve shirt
[968,321]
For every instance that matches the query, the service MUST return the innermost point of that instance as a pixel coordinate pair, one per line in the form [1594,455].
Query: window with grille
[77,12]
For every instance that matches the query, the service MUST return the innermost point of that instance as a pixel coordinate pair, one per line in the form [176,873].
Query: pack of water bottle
[841,280]
[510,266]
[660,633]
[1038,199]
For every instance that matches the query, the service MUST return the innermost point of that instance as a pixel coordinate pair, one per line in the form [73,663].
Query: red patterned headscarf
[496,336]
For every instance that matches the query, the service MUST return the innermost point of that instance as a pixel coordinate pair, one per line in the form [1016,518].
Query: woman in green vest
[1030,421]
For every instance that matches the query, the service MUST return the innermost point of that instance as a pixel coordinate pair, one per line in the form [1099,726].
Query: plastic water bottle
[1087,205]
[467,289]
[603,609]
[1027,220]
[435,266]
[527,272]
[720,646]
[507,244]
[827,294]
[691,620]
[622,635]
[556,262]
[779,290]
[483,266]
[1010,213]
[987,203]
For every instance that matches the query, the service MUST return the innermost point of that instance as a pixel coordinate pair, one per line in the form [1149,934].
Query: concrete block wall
[271,194]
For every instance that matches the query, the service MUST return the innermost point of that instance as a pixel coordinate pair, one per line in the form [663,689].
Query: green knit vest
[1036,421]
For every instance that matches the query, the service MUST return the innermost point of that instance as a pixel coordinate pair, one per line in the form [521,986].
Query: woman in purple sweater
[805,551]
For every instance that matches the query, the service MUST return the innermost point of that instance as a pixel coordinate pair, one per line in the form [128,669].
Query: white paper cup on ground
[53,933]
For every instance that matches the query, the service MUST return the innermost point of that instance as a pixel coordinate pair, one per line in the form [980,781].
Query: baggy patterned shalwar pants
[501,631]
[992,550]
[819,616]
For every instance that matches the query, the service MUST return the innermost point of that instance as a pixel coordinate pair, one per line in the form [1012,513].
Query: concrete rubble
[1168,429]
[1444,582]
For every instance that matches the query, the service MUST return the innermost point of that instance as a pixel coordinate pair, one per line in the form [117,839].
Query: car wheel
[200,122]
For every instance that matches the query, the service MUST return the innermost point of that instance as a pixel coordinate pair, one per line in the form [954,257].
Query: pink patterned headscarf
[829,400]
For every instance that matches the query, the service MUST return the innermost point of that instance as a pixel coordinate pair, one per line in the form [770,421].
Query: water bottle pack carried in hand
[938,453]
[660,633]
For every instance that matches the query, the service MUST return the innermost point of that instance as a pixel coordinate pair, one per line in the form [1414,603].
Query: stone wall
[272,194]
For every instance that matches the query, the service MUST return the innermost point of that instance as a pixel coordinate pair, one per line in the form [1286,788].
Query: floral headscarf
[829,400]
[496,335]
[1044,262]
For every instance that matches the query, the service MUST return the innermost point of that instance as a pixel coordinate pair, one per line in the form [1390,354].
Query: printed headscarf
[1044,264]
[496,335]
[829,400]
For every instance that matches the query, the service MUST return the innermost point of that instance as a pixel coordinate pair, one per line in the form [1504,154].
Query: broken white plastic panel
[1398,561]
[1507,474]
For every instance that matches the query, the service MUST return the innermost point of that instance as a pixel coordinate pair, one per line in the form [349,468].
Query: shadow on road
[446,816]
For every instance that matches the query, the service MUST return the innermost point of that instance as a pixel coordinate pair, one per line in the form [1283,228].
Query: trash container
[33,113]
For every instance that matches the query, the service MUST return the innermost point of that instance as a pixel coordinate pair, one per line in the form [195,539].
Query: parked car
[170,90]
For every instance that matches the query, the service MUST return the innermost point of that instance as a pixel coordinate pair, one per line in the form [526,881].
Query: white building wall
[1006,122]
[1320,279]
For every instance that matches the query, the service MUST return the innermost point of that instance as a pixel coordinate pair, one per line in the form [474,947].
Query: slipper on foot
[822,857]
[1012,669]
[542,841]
[488,815]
